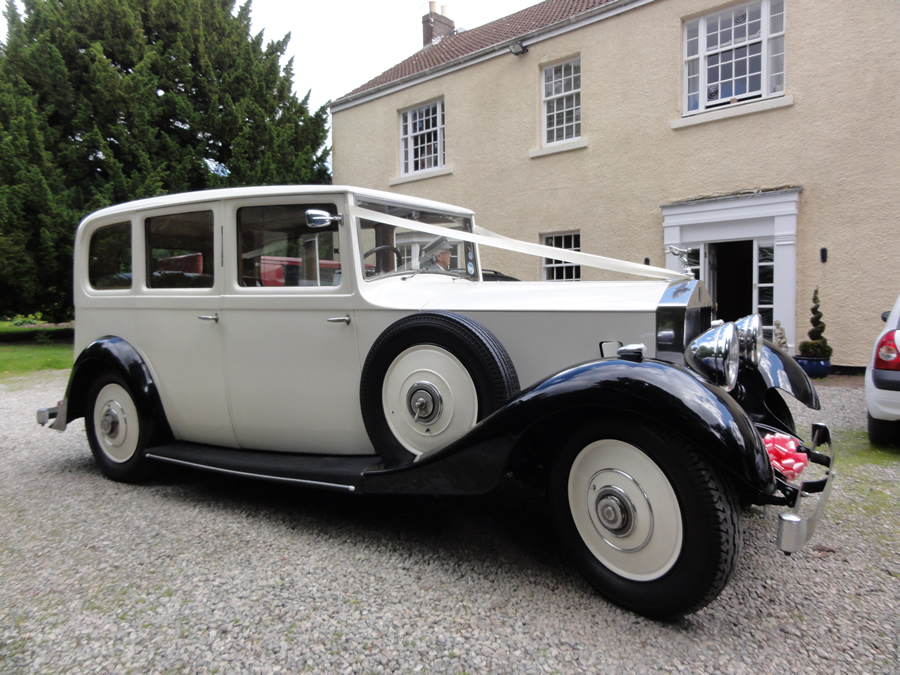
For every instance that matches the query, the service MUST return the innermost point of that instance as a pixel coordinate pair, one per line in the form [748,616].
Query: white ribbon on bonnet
[487,238]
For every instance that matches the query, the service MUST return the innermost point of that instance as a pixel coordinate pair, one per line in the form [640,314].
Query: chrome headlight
[751,338]
[715,355]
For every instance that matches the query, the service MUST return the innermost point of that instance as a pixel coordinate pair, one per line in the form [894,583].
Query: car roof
[204,196]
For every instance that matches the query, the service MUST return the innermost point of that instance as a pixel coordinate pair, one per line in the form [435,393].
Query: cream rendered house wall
[835,135]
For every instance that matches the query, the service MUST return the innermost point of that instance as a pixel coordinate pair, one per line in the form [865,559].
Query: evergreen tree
[104,101]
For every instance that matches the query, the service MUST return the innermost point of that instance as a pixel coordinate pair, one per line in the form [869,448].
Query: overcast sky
[339,45]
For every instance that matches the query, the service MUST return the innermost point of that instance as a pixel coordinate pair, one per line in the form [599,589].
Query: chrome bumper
[795,529]
[57,414]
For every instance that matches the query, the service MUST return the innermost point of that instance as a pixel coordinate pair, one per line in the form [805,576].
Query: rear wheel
[883,432]
[117,430]
[645,518]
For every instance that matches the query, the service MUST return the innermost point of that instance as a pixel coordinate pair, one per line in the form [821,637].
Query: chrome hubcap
[615,511]
[112,422]
[627,516]
[424,402]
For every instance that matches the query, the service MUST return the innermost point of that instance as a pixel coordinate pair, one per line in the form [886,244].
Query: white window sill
[735,110]
[559,147]
[420,175]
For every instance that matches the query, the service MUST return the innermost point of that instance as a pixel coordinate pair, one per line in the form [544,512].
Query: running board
[344,473]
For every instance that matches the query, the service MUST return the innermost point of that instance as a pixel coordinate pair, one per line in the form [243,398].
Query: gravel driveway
[196,573]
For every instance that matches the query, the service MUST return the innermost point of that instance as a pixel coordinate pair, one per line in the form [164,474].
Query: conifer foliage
[104,101]
[817,346]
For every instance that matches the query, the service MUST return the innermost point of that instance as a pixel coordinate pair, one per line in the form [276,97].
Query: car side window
[180,251]
[278,249]
[109,257]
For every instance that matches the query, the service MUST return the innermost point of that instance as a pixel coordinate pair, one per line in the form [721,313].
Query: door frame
[763,217]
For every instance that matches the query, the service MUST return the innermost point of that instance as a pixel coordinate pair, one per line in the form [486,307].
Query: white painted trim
[406,159]
[420,175]
[571,61]
[768,216]
[563,146]
[734,110]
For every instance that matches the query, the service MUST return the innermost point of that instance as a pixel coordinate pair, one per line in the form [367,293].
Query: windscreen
[393,248]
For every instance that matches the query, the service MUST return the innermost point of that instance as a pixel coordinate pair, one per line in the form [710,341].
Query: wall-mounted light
[823,254]
[517,48]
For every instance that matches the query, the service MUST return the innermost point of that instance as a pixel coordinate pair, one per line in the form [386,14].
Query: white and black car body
[301,334]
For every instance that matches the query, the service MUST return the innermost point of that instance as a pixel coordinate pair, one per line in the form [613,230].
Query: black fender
[755,391]
[113,354]
[665,395]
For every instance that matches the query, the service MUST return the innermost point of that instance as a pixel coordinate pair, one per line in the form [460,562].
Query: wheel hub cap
[111,423]
[620,510]
[424,402]
[615,511]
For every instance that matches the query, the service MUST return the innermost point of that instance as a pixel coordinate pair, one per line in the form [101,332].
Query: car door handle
[209,317]
[340,319]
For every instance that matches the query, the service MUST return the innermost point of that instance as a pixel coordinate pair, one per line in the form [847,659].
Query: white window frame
[429,117]
[558,112]
[718,67]
[765,309]
[558,270]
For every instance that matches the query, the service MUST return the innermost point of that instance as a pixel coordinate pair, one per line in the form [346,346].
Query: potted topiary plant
[815,353]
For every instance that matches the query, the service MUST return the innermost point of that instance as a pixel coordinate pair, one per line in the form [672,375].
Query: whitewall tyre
[117,431]
[645,518]
[427,380]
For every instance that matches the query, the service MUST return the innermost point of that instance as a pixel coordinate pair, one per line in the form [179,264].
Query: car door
[290,338]
[177,320]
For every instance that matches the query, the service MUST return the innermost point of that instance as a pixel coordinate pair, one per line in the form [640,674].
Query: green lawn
[16,359]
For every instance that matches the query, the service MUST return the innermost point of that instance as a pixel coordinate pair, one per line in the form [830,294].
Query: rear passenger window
[109,258]
[277,248]
[180,250]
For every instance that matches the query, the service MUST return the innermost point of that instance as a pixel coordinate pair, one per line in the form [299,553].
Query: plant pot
[814,367]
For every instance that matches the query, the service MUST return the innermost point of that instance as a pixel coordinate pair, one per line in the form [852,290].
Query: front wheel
[117,431]
[645,518]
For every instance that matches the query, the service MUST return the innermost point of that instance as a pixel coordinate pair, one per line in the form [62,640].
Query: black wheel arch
[525,436]
[650,392]
[112,354]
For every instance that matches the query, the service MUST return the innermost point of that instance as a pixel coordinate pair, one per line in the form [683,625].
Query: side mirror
[316,218]
[885,315]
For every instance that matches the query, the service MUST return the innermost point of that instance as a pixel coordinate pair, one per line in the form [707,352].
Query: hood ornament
[682,255]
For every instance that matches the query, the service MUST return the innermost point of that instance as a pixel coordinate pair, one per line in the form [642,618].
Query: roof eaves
[453,64]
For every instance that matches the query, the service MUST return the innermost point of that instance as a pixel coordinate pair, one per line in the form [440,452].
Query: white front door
[290,336]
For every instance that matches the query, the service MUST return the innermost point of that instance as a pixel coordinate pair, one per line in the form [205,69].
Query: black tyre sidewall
[883,432]
[477,349]
[708,555]
[138,467]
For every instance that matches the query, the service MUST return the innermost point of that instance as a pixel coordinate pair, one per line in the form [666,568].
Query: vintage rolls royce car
[344,339]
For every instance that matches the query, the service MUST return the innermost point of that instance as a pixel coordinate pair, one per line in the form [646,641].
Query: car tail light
[886,356]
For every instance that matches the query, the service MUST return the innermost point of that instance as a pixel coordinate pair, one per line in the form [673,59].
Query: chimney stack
[436,26]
